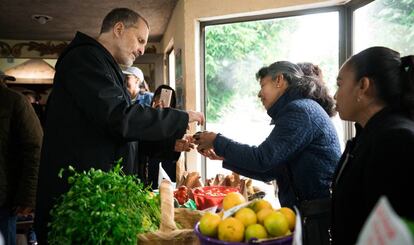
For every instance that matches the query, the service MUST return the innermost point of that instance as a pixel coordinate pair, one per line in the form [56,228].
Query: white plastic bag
[384,227]
[162,175]
[297,235]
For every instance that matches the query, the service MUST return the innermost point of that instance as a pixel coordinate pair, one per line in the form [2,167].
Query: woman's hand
[204,140]
[211,154]
[158,104]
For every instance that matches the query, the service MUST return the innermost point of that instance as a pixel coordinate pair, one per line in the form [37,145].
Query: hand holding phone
[165,97]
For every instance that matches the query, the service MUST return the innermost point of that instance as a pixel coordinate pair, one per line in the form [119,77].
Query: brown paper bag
[169,234]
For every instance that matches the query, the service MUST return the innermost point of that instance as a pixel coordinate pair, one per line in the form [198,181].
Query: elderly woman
[375,90]
[301,152]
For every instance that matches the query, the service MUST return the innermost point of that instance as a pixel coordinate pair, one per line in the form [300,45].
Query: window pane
[235,52]
[171,69]
[387,23]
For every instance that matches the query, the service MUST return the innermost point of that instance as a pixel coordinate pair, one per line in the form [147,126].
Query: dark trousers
[8,226]
[316,221]
[169,167]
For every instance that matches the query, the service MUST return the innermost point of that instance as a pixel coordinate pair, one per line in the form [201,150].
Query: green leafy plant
[103,208]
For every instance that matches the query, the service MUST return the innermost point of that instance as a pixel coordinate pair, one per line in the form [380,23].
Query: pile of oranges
[258,220]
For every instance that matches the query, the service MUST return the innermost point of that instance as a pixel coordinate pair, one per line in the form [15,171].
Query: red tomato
[181,195]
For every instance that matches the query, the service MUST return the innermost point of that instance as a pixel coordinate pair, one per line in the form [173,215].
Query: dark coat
[90,121]
[20,143]
[380,163]
[303,140]
[151,153]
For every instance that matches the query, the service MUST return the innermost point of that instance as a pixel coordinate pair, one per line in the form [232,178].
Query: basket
[205,240]
[169,233]
[187,218]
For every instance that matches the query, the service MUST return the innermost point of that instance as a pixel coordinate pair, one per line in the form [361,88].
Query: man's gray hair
[125,15]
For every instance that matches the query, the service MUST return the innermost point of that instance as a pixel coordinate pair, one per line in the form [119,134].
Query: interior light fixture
[41,18]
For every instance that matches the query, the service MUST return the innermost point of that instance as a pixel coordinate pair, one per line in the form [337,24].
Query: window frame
[345,45]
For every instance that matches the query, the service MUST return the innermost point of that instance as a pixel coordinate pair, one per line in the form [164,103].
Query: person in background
[4,78]
[302,151]
[154,153]
[20,143]
[144,95]
[137,86]
[90,120]
[314,71]
[33,97]
[376,91]
[151,153]
[310,69]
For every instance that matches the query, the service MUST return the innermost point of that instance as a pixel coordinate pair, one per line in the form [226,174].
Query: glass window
[235,52]
[171,68]
[387,23]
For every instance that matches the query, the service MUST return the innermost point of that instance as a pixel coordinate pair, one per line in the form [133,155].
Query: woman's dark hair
[308,86]
[310,69]
[157,94]
[326,100]
[393,77]
[125,15]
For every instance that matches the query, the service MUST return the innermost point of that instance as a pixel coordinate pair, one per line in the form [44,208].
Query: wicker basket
[169,234]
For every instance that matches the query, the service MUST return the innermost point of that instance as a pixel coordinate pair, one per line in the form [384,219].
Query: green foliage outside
[103,208]
[393,24]
[235,52]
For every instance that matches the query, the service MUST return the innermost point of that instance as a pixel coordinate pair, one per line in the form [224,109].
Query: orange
[231,230]
[261,204]
[290,216]
[246,216]
[276,224]
[262,214]
[209,224]
[255,231]
[233,199]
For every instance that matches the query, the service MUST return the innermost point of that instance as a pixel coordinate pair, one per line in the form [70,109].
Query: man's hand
[195,116]
[183,145]
[189,138]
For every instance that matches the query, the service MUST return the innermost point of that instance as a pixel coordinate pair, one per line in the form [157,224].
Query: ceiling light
[41,18]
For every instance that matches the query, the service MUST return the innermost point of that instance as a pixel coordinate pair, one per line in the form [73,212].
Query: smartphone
[165,96]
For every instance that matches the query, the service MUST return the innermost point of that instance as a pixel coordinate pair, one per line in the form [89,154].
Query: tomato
[181,195]
[210,196]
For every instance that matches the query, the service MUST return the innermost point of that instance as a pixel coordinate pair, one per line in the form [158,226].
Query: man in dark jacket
[20,142]
[90,121]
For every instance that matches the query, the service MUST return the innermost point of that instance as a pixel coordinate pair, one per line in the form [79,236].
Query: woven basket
[169,234]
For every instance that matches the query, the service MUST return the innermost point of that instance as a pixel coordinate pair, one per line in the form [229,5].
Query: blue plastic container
[205,240]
